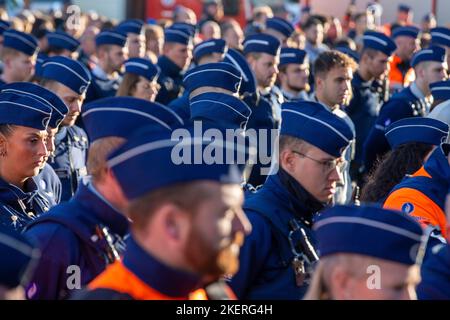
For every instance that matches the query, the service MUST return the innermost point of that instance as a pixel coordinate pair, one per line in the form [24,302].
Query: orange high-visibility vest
[396,78]
[118,278]
[421,207]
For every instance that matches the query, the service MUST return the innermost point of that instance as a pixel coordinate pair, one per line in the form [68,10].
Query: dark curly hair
[390,170]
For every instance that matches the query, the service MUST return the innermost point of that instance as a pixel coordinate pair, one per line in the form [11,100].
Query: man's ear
[3,145]
[176,223]
[287,160]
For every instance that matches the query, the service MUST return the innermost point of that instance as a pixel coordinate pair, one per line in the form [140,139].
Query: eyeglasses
[327,165]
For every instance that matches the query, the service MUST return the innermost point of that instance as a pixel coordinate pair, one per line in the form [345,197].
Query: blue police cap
[440,90]
[379,41]
[43,95]
[440,36]
[311,122]
[20,41]
[222,109]
[280,25]
[134,26]
[4,25]
[263,43]
[164,150]
[404,7]
[292,55]
[120,116]
[209,47]
[111,37]
[142,67]
[351,53]
[174,35]
[248,85]
[20,256]
[432,53]
[186,27]
[408,31]
[63,40]
[416,129]
[369,231]
[22,110]
[221,75]
[68,72]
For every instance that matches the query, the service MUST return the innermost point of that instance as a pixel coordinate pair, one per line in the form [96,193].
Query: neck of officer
[321,98]
[8,76]
[365,73]
[107,69]
[111,193]
[423,86]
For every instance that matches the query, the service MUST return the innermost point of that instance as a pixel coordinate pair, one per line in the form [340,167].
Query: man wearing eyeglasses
[278,257]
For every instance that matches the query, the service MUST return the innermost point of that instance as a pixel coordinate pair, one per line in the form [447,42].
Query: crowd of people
[114,184]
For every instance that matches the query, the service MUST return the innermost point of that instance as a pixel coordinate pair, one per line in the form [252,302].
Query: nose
[337,175]
[42,151]
[75,107]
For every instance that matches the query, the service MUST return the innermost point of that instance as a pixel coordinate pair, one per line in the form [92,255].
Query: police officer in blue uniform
[262,52]
[414,101]
[18,46]
[277,257]
[144,273]
[47,180]
[218,77]
[366,103]
[175,60]
[280,29]
[435,270]
[294,74]
[111,52]
[88,231]
[18,266]
[389,249]
[209,51]
[61,43]
[69,80]
[20,198]
[440,36]
[134,29]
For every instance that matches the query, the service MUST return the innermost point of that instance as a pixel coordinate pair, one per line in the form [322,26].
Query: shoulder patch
[408,207]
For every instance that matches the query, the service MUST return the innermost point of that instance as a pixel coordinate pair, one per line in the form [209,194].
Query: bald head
[210,30]
[186,15]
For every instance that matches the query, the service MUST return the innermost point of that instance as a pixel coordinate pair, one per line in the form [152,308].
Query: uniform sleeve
[418,206]
[50,277]
[252,255]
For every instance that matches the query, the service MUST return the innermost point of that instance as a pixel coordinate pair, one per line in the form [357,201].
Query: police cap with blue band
[221,75]
[380,233]
[407,31]
[120,116]
[63,40]
[174,35]
[440,90]
[111,37]
[311,122]
[58,107]
[416,129]
[432,53]
[68,72]
[4,25]
[20,41]
[248,85]
[280,25]
[209,47]
[22,110]
[262,43]
[440,36]
[142,67]
[292,55]
[379,41]
[134,26]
